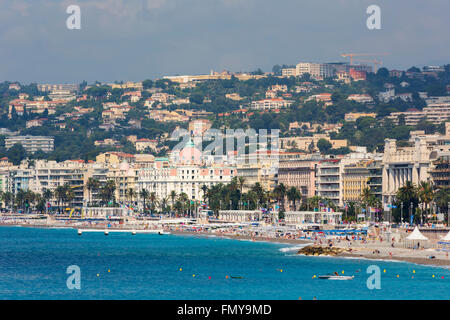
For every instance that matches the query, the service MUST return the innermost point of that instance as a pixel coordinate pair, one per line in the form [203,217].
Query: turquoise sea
[33,265]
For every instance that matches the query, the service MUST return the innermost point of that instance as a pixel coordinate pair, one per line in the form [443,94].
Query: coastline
[416,260]
[355,254]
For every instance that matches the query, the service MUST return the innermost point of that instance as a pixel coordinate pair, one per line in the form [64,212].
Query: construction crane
[374,61]
[352,55]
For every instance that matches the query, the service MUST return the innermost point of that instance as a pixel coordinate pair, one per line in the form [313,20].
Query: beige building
[115,158]
[303,143]
[353,116]
[412,163]
[435,115]
[31,143]
[143,144]
[299,173]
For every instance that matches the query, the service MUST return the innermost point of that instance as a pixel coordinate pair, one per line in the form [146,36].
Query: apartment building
[361,98]
[58,87]
[299,173]
[353,116]
[316,70]
[289,72]
[435,115]
[274,103]
[31,143]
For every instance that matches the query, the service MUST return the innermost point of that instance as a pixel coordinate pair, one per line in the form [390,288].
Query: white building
[31,143]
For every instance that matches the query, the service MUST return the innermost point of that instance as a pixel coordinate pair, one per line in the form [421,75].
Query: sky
[133,40]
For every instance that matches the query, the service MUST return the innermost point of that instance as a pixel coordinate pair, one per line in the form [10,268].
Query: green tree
[426,195]
[324,145]
[92,185]
[144,194]
[293,195]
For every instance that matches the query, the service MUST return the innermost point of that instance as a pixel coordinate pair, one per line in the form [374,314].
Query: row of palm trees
[409,199]
[419,201]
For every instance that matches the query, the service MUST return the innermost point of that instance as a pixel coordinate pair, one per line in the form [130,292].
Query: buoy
[442,277]
[281,270]
[414,271]
[109,270]
[181,269]
[209,278]
[433,275]
[412,277]
[133,232]
[106,233]
[80,232]
[226,277]
[193,275]
[98,275]
[384,270]
[398,276]
[342,271]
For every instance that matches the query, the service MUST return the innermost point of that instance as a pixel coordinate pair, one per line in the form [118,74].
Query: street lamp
[401,214]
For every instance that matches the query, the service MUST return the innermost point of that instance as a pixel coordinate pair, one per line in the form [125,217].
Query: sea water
[33,265]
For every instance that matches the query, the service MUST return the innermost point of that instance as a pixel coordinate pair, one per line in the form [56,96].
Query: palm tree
[183,198]
[173,196]
[152,199]
[260,192]
[163,204]
[205,191]
[130,193]
[144,195]
[366,198]
[59,195]
[8,198]
[442,199]
[293,195]
[251,197]
[241,182]
[425,193]
[107,191]
[407,195]
[279,193]
[47,195]
[92,185]
[69,195]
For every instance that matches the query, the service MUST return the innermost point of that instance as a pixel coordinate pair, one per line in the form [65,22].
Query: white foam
[294,248]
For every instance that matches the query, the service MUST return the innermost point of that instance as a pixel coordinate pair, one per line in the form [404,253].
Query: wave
[294,248]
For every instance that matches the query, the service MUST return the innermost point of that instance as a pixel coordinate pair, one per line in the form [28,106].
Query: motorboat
[335,277]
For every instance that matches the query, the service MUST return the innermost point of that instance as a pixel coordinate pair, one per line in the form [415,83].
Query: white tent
[447,237]
[416,235]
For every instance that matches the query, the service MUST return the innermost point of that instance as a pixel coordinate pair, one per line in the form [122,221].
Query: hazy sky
[140,39]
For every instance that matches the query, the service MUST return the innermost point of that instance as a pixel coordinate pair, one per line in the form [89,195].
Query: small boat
[237,277]
[335,277]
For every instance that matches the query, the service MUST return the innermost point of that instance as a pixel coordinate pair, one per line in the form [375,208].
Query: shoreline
[440,263]
[356,254]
